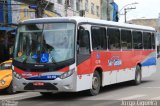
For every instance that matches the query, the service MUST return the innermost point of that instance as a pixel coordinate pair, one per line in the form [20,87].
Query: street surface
[112,95]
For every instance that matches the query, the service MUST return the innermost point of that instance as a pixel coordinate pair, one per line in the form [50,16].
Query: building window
[126,39]
[137,40]
[97,10]
[72,3]
[59,1]
[113,39]
[86,5]
[77,5]
[92,8]
[147,40]
[26,12]
[99,41]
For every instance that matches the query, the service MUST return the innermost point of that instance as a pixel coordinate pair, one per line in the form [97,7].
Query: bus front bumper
[57,85]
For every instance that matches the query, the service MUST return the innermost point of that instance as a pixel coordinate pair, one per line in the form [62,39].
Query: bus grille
[46,86]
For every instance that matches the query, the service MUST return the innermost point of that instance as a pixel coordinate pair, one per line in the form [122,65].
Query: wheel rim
[95,83]
[138,77]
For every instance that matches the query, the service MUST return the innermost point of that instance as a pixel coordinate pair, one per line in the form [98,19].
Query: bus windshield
[45,43]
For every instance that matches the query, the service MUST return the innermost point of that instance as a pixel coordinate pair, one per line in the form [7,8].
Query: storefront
[7,38]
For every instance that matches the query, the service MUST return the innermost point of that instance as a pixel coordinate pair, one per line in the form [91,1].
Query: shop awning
[7,28]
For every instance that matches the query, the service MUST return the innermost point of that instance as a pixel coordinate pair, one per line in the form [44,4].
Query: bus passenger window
[137,40]
[99,41]
[126,39]
[113,39]
[83,43]
[153,40]
[147,40]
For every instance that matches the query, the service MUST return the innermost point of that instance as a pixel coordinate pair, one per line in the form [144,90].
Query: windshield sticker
[114,61]
[19,54]
[34,56]
[44,57]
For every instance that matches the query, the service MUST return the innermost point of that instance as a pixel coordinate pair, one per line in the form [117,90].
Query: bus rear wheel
[138,75]
[96,84]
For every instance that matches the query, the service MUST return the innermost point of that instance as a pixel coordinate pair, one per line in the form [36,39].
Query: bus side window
[137,40]
[153,40]
[83,45]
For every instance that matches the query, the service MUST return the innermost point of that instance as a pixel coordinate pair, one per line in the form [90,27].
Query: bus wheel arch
[100,70]
[96,82]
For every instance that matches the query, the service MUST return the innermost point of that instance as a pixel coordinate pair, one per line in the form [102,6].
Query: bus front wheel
[96,81]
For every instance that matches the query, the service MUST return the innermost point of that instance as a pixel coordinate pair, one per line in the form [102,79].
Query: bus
[72,54]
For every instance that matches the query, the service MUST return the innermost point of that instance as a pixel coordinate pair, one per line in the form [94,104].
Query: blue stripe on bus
[149,62]
[46,77]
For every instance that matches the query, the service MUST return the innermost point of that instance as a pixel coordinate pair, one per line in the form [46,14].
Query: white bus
[71,54]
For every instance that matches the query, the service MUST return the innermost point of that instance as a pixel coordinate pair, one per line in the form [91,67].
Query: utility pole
[125,12]
[108,17]
[125,15]
[66,7]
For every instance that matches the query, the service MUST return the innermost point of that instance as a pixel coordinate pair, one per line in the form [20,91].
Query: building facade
[109,10]
[92,8]
[21,11]
[14,11]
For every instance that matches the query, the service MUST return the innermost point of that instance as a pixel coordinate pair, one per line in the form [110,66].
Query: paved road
[112,95]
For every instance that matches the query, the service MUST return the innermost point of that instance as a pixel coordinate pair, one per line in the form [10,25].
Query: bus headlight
[67,74]
[17,75]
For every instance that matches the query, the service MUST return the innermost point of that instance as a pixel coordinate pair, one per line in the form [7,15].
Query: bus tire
[96,84]
[138,75]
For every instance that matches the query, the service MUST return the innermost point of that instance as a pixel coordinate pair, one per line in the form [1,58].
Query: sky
[144,9]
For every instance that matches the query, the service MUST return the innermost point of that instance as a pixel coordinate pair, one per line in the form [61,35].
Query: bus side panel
[120,66]
[84,75]
[117,66]
[149,64]
[109,77]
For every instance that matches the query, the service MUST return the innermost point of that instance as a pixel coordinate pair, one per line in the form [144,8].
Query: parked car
[6,76]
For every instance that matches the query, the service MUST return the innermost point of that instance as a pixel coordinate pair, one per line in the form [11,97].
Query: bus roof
[78,20]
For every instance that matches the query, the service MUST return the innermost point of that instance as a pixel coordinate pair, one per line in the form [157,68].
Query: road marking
[152,87]
[132,97]
[20,96]
[156,98]
[107,103]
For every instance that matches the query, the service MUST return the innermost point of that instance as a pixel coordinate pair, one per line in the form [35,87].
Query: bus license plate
[38,83]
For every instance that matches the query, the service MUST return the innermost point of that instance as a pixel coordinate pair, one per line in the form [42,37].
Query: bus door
[83,51]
